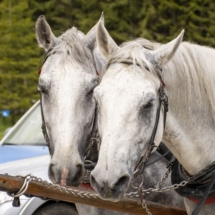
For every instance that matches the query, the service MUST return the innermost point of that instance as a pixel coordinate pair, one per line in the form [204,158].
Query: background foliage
[20,57]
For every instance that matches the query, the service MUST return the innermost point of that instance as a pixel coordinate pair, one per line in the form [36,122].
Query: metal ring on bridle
[140,185]
[23,189]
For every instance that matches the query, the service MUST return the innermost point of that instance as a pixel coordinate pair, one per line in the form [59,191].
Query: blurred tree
[163,20]
[19,57]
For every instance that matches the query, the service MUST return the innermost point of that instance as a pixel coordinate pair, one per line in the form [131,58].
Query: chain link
[157,190]
[74,192]
[169,169]
[144,205]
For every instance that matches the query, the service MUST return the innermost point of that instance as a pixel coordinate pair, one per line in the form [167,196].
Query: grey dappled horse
[68,78]
[128,99]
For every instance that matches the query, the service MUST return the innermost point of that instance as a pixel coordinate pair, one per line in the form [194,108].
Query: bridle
[163,101]
[43,127]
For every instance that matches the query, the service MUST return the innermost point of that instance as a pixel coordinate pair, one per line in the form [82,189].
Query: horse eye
[90,93]
[149,105]
[42,90]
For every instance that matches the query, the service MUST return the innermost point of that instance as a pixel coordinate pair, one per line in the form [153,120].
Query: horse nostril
[79,169]
[92,179]
[51,168]
[94,183]
[123,181]
[51,173]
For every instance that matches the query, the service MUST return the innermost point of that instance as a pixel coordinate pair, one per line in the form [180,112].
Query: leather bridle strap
[45,58]
[163,100]
[44,130]
[43,127]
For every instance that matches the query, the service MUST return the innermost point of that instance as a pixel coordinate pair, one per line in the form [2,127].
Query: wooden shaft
[13,184]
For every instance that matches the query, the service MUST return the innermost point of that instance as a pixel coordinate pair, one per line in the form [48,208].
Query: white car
[25,138]
[35,206]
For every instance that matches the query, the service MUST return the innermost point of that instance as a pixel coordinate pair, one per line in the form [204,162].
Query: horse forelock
[71,47]
[134,52]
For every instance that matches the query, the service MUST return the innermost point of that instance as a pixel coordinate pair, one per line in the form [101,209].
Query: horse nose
[64,175]
[107,190]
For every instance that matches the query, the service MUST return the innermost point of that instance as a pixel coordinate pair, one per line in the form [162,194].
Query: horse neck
[190,126]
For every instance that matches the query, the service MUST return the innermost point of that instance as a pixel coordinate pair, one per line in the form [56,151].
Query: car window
[29,130]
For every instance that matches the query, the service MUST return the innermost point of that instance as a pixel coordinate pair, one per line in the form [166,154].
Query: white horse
[128,98]
[68,77]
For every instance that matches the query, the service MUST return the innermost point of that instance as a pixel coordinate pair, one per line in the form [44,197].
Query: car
[25,138]
[34,205]
[23,150]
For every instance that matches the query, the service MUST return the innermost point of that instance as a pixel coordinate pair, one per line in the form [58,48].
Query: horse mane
[132,52]
[193,71]
[71,47]
[189,75]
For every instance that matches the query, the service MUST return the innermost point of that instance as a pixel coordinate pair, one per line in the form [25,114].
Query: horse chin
[107,193]
[111,196]
[73,184]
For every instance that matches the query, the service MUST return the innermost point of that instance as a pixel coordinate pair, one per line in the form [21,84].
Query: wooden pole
[13,184]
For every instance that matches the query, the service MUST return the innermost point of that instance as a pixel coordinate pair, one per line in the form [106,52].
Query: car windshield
[29,130]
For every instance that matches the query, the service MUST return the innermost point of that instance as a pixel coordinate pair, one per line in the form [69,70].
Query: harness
[88,164]
[163,101]
[43,127]
[199,188]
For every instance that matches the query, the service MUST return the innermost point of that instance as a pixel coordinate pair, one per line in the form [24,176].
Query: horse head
[128,99]
[66,83]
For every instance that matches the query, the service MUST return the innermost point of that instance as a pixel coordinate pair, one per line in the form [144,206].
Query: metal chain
[138,194]
[143,202]
[94,195]
[157,190]
[157,187]
[75,192]
[144,205]
[169,169]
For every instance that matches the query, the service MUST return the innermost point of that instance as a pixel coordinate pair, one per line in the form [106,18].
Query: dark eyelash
[89,93]
[42,90]
[149,105]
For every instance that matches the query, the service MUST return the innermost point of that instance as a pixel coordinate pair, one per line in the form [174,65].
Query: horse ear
[165,52]
[105,42]
[45,37]
[90,37]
